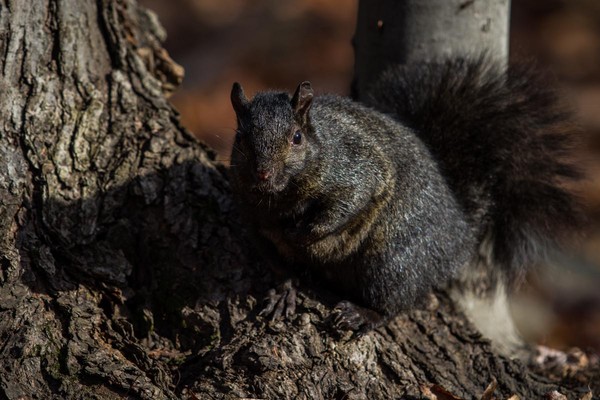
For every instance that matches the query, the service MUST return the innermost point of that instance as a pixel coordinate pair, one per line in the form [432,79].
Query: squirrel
[450,174]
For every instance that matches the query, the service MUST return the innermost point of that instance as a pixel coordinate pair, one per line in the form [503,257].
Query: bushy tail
[503,142]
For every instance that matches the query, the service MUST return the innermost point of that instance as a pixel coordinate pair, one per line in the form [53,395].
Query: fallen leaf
[426,392]
[588,396]
[555,395]
[488,394]
[443,394]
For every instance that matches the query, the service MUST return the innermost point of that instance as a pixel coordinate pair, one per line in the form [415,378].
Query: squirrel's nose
[263,174]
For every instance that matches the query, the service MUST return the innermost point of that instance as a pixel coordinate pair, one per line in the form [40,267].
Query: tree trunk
[124,271]
[410,31]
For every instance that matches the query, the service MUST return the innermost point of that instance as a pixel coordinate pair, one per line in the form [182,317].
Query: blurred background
[279,43]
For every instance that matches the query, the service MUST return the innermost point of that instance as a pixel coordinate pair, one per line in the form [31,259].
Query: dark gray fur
[385,207]
[505,143]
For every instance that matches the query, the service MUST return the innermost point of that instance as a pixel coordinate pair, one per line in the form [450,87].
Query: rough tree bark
[124,271]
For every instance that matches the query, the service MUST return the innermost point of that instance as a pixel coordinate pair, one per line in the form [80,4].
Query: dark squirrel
[445,167]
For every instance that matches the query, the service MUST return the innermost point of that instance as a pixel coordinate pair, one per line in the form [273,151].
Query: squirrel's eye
[297,139]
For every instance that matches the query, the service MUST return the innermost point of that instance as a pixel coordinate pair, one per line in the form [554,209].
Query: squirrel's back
[503,142]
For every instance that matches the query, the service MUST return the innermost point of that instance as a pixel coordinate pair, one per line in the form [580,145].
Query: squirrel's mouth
[270,186]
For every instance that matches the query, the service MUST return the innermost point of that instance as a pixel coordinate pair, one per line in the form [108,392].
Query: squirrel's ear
[302,99]
[238,100]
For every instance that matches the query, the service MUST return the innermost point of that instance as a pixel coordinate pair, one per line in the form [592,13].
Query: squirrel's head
[273,138]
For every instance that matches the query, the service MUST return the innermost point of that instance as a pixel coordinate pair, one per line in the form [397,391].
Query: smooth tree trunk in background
[413,31]
[124,269]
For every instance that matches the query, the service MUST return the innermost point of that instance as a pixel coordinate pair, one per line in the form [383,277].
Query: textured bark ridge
[124,271]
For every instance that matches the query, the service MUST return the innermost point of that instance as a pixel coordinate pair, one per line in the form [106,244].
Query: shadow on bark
[156,296]
[147,268]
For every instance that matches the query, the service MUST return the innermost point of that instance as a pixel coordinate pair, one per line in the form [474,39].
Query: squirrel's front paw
[347,316]
[280,301]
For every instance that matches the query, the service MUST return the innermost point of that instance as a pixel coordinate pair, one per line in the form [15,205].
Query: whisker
[217,136]
[239,151]
[228,141]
